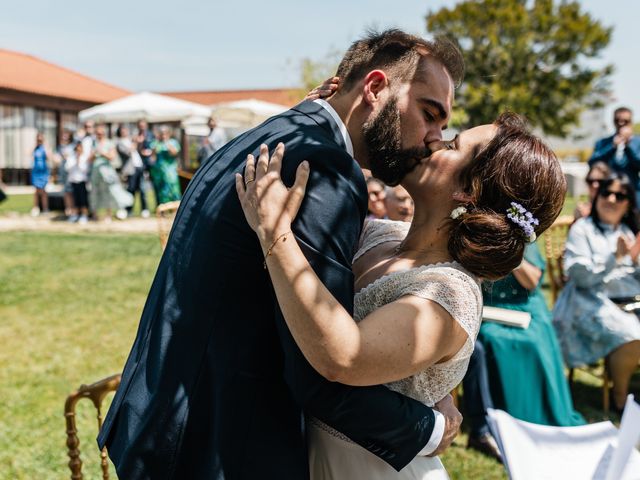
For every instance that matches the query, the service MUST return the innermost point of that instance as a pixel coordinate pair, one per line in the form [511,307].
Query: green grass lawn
[70,306]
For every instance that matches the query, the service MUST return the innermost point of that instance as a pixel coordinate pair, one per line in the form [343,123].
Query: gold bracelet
[273,245]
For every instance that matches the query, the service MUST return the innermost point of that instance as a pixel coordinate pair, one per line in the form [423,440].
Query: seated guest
[601,263]
[399,204]
[524,367]
[376,189]
[598,172]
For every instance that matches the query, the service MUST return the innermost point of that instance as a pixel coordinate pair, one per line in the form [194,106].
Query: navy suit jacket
[214,386]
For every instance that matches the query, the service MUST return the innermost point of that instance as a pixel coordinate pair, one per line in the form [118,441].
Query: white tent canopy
[245,113]
[147,106]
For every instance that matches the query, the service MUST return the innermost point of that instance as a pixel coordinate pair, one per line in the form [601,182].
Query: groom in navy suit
[215,386]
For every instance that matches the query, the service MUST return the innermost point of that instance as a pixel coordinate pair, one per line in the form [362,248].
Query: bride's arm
[391,343]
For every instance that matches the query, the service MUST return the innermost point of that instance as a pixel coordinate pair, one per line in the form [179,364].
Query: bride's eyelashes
[451,144]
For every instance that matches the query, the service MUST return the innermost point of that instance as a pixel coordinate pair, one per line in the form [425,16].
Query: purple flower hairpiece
[524,219]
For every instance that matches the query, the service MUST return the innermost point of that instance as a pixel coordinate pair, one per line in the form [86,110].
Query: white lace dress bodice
[333,456]
[447,284]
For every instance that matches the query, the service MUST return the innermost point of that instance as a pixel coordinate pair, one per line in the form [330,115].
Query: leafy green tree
[535,57]
[314,72]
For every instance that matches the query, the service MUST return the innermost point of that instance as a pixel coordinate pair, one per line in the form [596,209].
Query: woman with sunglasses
[597,172]
[601,264]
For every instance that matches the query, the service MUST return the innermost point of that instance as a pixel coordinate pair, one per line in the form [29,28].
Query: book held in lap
[513,318]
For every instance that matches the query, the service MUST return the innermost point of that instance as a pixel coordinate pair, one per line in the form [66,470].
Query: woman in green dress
[164,171]
[525,369]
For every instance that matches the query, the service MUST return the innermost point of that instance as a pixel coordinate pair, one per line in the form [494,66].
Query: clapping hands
[628,246]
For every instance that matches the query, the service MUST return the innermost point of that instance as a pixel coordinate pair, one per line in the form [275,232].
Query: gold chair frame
[96,392]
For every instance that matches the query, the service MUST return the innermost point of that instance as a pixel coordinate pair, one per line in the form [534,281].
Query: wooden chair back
[96,392]
[165,213]
[554,241]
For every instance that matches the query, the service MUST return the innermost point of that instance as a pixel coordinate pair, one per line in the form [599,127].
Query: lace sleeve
[455,291]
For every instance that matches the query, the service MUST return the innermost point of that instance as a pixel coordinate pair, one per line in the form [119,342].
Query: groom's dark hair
[399,54]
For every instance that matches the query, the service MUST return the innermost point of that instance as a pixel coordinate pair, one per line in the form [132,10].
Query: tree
[536,58]
[314,72]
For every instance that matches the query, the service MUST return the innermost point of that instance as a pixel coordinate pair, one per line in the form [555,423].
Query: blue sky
[237,44]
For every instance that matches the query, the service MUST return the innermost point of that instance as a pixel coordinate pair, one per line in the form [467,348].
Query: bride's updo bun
[515,166]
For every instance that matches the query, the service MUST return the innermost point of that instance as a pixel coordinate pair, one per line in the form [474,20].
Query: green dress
[526,373]
[164,172]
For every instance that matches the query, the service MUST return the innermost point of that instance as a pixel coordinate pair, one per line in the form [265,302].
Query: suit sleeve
[388,424]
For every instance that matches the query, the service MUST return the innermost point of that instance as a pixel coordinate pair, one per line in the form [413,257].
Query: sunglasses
[622,121]
[620,196]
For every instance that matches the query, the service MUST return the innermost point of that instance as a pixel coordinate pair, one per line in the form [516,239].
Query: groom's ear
[375,83]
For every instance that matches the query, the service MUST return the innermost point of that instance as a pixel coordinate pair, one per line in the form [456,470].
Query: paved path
[26,223]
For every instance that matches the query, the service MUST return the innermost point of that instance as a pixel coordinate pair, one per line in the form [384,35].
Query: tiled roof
[283,96]
[29,74]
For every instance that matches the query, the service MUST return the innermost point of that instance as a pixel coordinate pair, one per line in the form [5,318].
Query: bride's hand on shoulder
[268,205]
[325,90]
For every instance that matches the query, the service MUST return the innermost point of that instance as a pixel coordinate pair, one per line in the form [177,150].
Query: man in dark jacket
[620,151]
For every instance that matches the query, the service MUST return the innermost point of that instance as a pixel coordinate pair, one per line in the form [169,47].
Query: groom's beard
[383,137]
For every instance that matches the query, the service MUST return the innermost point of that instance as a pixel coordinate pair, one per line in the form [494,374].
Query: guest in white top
[77,167]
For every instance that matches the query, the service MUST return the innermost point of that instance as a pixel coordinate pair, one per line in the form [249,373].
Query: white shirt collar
[343,128]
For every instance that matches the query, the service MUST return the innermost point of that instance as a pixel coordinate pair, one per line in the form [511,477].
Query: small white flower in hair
[456,212]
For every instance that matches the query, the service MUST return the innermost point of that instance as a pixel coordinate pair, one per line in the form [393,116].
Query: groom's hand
[452,421]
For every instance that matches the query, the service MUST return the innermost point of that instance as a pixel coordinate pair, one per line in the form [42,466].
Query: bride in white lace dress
[418,302]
